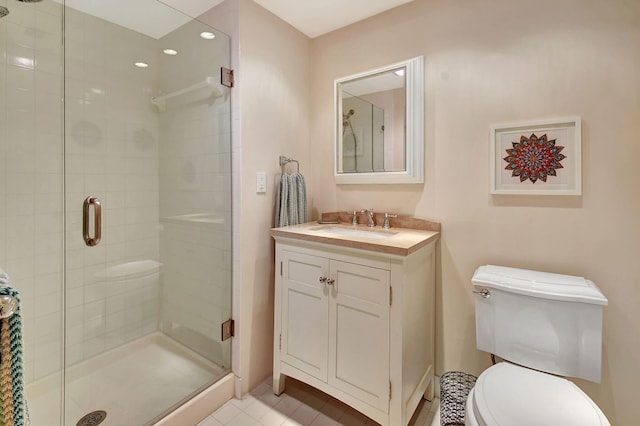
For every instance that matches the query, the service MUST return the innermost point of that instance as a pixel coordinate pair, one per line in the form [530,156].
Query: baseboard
[436,418]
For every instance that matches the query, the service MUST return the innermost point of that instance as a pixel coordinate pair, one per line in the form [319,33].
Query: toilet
[545,327]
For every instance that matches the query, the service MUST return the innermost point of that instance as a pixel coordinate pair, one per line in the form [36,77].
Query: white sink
[354,232]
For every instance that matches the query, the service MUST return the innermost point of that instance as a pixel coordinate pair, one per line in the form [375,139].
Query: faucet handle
[387,216]
[354,216]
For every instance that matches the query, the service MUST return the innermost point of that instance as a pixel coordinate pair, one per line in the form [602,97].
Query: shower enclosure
[362,135]
[115,205]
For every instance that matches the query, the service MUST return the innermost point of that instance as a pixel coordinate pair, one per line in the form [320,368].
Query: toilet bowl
[511,395]
[546,327]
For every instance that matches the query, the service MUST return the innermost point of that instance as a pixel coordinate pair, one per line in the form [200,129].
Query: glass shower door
[147,211]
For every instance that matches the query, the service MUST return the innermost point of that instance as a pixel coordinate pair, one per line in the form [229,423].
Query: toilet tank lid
[546,285]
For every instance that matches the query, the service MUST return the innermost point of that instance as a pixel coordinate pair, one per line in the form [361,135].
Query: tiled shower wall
[31,174]
[111,152]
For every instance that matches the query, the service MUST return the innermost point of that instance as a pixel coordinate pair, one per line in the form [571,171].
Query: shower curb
[202,405]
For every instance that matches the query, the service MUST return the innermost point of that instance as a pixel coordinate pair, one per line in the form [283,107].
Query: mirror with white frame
[379,125]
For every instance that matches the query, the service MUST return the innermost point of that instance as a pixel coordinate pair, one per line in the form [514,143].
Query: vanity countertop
[396,240]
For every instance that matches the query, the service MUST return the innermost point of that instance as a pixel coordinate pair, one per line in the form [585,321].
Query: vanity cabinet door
[338,327]
[359,308]
[305,313]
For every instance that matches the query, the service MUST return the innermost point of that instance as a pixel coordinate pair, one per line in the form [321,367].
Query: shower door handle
[97,221]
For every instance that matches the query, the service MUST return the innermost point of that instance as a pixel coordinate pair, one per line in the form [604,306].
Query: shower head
[346,118]
[3,11]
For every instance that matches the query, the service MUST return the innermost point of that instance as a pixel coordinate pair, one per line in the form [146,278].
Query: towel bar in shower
[209,82]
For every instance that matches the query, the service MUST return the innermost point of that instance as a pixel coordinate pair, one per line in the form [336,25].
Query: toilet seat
[508,395]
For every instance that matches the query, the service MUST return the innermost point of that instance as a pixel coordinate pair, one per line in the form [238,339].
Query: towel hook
[284,161]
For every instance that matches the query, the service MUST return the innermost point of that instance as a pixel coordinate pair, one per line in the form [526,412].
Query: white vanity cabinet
[356,324]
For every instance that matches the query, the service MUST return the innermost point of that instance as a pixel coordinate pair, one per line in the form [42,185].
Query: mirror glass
[373,110]
[379,125]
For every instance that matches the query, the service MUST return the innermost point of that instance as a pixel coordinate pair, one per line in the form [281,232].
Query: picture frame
[542,157]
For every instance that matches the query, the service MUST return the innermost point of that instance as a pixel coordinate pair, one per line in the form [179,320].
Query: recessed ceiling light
[141,64]
[170,52]
[399,72]
[207,35]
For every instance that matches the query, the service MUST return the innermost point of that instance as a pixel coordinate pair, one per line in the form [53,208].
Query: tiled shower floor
[131,383]
[299,405]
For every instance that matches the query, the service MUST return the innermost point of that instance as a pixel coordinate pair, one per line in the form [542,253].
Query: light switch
[261,182]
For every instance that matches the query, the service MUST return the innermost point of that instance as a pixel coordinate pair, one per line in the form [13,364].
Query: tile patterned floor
[299,405]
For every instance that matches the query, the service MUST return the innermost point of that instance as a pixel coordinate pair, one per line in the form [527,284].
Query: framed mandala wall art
[537,158]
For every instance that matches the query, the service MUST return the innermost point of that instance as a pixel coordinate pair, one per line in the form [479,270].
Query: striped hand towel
[13,406]
[291,200]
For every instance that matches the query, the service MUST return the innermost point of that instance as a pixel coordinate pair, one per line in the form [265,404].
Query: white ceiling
[317,17]
[135,14]
[311,17]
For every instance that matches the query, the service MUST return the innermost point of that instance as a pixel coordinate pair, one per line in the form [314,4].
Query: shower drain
[94,418]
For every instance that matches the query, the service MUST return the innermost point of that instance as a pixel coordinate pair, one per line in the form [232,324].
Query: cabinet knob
[331,281]
[322,280]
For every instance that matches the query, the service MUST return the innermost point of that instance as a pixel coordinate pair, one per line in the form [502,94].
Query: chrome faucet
[372,221]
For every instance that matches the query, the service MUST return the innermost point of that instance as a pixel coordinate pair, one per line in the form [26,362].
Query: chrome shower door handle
[97,221]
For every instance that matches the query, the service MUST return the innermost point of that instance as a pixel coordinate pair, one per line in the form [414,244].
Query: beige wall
[503,61]
[508,60]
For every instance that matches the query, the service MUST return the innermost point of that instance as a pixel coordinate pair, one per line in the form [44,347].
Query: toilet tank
[545,321]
